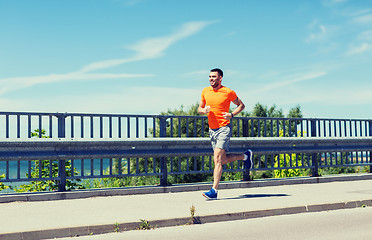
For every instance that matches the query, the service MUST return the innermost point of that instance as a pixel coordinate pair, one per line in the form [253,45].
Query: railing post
[61,163]
[246,172]
[245,127]
[314,156]
[370,153]
[163,160]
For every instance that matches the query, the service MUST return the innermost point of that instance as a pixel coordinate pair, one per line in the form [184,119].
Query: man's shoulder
[226,89]
[207,89]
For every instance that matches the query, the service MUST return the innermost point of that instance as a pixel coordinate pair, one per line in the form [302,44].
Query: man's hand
[207,109]
[227,115]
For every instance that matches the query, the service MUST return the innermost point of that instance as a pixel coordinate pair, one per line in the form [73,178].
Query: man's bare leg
[221,158]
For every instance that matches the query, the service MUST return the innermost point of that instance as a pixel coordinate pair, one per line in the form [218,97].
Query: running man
[215,101]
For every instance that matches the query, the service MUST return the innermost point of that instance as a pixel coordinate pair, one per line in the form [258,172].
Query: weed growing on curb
[145,225]
[117,228]
[193,219]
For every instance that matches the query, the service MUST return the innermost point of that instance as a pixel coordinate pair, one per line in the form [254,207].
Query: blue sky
[148,56]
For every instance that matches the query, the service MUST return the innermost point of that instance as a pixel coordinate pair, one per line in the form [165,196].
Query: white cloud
[130,100]
[364,19]
[365,36]
[329,3]
[319,32]
[289,80]
[155,47]
[145,49]
[11,84]
[362,48]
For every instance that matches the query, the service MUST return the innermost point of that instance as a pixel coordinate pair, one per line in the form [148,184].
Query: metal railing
[157,154]
[79,125]
[102,130]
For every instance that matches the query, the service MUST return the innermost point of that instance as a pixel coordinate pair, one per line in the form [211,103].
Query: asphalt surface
[105,211]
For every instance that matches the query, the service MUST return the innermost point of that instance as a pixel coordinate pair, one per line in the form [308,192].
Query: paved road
[345,224]
[70,217]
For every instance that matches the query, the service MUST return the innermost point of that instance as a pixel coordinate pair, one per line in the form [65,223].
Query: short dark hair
[217,70]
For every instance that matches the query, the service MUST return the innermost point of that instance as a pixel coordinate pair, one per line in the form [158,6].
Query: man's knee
[219,154]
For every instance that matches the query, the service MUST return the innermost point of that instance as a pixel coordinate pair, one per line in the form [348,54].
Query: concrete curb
[78,194]
[109,228]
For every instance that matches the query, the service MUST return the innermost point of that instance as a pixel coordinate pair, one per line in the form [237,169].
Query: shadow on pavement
[254,196]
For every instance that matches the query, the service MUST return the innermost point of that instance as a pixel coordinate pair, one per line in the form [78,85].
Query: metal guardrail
[164,149]
[91,132]
[83,125]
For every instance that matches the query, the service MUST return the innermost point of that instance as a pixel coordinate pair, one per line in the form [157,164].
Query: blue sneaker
[211,194]
[248,162]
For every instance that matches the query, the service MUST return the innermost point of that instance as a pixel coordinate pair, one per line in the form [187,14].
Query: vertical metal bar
[72,127]
[345,129]
[271,128]
[339,131]
[314,158]
[7,126]
[91,127]
[259,127]
[252,127]
[351,129]
[110,127]
[29,169]
[61,125]
[360,129]
[128,127]
[195,132]
[29,126]
[154,127]
[370,152]
[120,168]
[187,127]
[163,160]
[202,127]
[91,167]
[245,122]
[324,129]
[82,126]
[335,128]
[307,128]
[40,127]
[18,169]
[277,128]
[119,127]
[179,126]
[18,126]
[61,163]
[72,167]
[137,165]
[137,128]
[171,127]
[101,127]
[50,126]
[82,167]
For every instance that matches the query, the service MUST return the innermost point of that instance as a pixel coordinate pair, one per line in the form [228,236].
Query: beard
[215,84]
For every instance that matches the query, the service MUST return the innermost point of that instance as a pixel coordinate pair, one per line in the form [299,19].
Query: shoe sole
[208,198]
[250,159]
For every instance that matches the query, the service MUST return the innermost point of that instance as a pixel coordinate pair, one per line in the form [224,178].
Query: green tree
[289,165]
[41,169]
[2,185]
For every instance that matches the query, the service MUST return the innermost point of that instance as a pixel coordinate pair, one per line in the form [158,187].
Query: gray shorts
[220,137]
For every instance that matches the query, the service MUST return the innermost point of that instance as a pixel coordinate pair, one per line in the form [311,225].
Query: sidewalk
[84,216]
